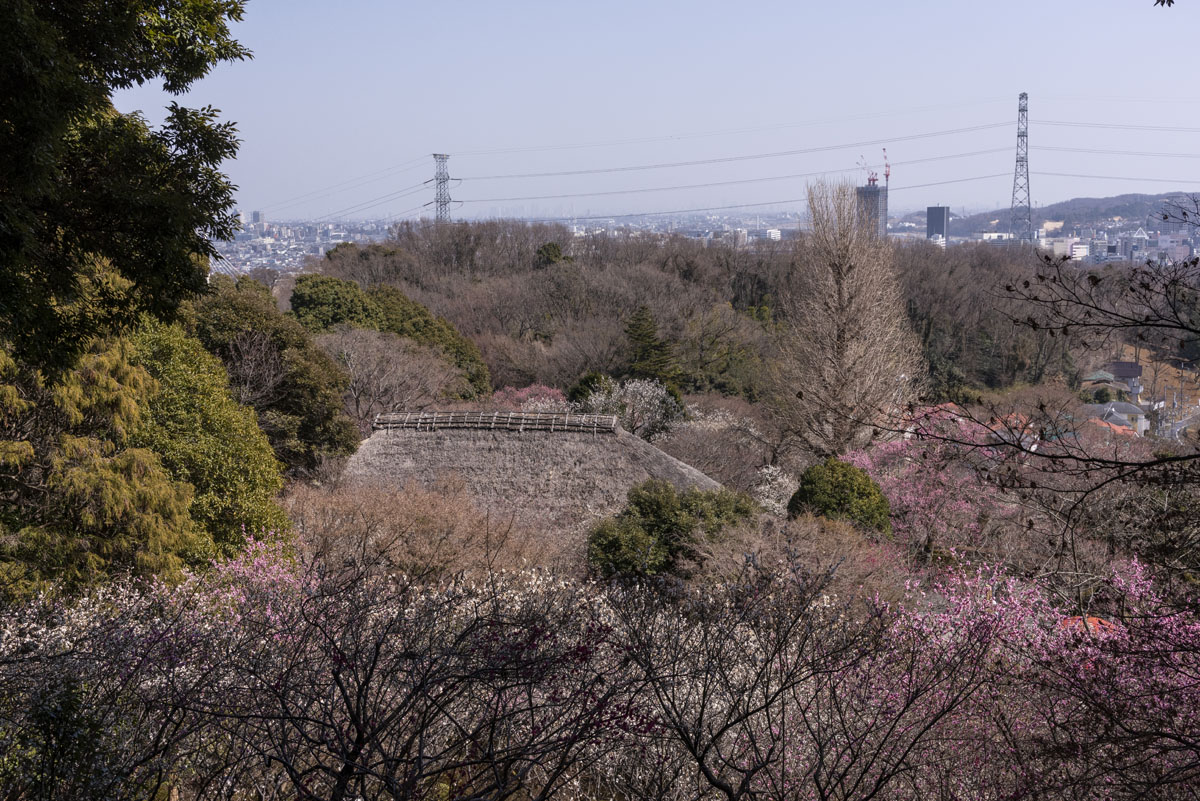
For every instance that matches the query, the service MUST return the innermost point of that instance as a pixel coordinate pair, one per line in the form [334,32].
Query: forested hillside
[636,518]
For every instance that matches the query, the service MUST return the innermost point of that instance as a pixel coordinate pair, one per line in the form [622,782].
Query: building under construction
[872,207]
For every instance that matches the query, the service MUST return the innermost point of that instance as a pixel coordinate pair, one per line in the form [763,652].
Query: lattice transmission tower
[442,178]
[1021,225]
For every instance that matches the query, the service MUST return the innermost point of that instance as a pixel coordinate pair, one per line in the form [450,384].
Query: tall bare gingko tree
[848,360]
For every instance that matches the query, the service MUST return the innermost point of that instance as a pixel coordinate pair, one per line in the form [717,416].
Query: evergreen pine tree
[649,355]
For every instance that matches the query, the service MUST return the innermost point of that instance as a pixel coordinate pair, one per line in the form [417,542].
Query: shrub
[841,491]
[659,529]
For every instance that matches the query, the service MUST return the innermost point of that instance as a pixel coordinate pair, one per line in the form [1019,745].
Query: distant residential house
[1121,414]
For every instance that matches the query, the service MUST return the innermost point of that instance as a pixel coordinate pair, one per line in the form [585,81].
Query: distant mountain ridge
[1140,210]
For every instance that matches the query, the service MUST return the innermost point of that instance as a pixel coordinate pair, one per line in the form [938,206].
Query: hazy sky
[367,89]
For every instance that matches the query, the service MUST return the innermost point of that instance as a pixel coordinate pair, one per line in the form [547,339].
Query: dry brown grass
[419,531]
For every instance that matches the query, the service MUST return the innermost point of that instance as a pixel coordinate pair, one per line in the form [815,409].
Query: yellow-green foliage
[137,461]
[207,439]
[78,500]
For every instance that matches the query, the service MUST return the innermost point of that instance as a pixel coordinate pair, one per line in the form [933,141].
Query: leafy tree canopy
[79,500]
[205,438]
[277,368]
[101,217]
[550,253]
[321,302]
[650,356]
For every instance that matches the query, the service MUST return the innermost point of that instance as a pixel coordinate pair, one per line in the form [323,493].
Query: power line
[378,201]
[1119,178]
[361,180]
[749,205]
[405,213]
[712,184]
[726,131]
[1118,126]
[1116,152]
[751,157]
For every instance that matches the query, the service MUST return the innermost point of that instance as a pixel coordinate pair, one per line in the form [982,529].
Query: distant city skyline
[721,100]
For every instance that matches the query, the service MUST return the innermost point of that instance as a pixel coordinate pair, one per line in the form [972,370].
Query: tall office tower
[937,222]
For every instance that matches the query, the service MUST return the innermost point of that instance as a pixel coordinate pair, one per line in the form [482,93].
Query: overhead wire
[413,164]
[747,205]
[350,183]
[749,157]
[377,201]
[1121,126]
[734,182]
[729,131]
[1118,178]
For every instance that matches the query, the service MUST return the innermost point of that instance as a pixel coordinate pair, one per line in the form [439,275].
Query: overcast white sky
[367,89]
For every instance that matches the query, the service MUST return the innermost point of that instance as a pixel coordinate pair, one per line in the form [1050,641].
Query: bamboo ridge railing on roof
[498,421]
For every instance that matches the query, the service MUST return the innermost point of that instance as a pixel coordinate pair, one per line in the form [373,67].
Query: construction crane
[887,169]
[872,176]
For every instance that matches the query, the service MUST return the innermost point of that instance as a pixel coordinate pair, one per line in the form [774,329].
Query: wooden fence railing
[498,421]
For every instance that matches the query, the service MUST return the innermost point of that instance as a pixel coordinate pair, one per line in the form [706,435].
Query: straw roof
[563,470]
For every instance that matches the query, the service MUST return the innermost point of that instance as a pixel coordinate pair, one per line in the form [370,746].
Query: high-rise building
[937,222]
[872,207]
[256,217]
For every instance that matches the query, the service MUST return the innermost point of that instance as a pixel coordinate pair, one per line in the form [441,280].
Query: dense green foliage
[101,217]
[550,253]
[588,383]
[323,302]
[276,368]
[841,491]
[206,439]
[660,528]
[78,500]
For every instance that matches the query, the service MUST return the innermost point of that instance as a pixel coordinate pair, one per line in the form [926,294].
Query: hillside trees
[322,302]
[101,217]
[550,326]
[389,374]
[650,356]
[276,368]
[957,307]
[848,358]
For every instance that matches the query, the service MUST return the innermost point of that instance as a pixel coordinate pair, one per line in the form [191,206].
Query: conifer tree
[79,501]
[649,355]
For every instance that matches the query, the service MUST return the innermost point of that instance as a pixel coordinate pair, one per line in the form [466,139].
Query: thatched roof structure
[557,469]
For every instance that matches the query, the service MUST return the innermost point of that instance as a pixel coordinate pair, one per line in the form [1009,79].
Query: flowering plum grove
[268,677]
